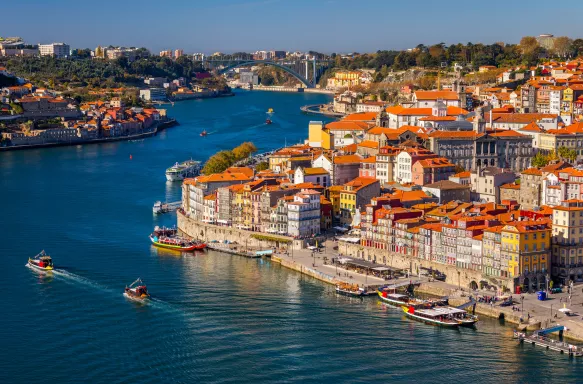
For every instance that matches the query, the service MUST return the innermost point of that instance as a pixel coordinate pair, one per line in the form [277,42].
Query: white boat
[442,316]
[180,171]
[157,207]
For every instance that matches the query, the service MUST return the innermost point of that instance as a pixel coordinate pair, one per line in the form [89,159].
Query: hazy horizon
[301,25]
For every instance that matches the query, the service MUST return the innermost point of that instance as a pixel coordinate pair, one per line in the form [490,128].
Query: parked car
[556,290]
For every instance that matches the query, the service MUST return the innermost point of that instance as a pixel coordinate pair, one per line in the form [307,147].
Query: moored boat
[157,207]
[137,290]
[168,238]
[389,295]
[180,171]
[42,262]
[350,290]
[448,317]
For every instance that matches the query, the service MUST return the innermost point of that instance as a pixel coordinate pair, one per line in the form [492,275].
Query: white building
[555,99]
[404,167]
[318,176]
[370,106]
[58,50]
[153,94]
[210,209]
[303,214]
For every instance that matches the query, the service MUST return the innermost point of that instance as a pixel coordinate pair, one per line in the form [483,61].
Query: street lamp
[522,303]
[459,283]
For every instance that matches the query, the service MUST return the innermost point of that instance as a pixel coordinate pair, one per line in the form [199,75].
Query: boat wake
[76,279]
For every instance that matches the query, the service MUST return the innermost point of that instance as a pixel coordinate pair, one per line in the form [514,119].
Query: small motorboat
[42,262]
[270,110]
[157,207]
[203,133]
[137,291]
[268,121]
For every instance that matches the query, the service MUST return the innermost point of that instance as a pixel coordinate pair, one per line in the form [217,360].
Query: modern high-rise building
[166,53]
[58,50]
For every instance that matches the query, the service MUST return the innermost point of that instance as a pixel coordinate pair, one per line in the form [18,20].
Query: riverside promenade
[543,314]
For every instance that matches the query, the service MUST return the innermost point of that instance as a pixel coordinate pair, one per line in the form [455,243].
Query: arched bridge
[308,71]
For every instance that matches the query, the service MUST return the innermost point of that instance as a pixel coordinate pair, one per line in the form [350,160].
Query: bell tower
[479,122]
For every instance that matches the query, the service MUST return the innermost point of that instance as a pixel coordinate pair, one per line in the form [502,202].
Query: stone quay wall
[209,232]
[461,278]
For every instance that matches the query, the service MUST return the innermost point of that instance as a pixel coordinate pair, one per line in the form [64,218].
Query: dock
[540,339]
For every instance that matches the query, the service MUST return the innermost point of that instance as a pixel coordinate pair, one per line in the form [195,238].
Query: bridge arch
[272,63]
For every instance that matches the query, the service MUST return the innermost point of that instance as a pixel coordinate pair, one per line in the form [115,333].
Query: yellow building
[319,136]
[344,79]
[334,197]
[567,104]
[526,245]
[355,195]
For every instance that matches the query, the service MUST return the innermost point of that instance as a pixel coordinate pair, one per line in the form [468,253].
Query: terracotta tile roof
[462,135]
[462,174]
[447,185]
[519,118]
[435,95]
[370,160]
[438,162]
[244,170]
[510,186]
[347,126]
[359,183]
[532,127]
[347,159]
[361,116]
[507,133]
[532,171]
[369,144]
[402,111]
[314,171]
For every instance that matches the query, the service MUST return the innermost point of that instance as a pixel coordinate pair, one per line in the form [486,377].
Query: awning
[355,240]
[223,221]
[381,269]
[341,229]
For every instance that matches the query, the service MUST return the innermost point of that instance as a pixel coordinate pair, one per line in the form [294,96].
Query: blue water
[214,317]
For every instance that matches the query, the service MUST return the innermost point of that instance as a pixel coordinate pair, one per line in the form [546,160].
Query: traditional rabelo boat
[350,290]
[448,317]
[389,295]
[42,262]
[168,238]
[137,291]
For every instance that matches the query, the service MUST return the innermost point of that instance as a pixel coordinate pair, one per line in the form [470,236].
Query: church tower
[479,122]
[382,119]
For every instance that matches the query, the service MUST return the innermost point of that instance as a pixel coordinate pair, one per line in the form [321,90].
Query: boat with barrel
[168,238]
[353,290]
[180,171]
[41,262]
[448,317]
[389,295]
[137,291]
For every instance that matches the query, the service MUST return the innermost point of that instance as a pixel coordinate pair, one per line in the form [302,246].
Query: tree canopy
[222,160]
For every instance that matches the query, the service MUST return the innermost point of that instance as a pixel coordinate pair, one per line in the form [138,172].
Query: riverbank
[291,254]
[316,109]
[138,136]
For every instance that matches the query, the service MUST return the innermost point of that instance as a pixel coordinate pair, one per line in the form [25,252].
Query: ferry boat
[168,238]
[448,317]
[42,262]
[389,295]
[189,168]
[137,291]
[350,290]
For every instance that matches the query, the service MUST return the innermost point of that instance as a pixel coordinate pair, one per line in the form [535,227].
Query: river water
[214,317]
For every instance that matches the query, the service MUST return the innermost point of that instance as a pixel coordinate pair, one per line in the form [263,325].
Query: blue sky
[249,25]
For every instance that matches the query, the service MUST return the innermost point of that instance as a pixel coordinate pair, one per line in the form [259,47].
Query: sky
[248,25]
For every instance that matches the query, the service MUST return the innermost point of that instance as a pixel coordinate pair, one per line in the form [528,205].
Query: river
[214,317]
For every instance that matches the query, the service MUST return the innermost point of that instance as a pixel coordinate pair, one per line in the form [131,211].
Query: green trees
[262,166]
[567,154]
[222,160]
[540,160]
